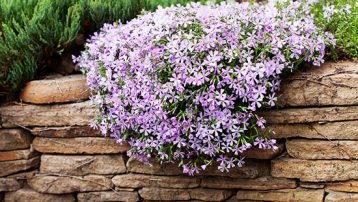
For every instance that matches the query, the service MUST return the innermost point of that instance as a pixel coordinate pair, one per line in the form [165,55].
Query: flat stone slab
[27,194]
[333,83]
[82,164]
[315,170]
[69,88]
[66,131]
[12,139]
[162,194]
[9,184]
[347,186]
[17,154]
[140,181]
[342,130]
[282,195]
[262,183]
[79,145]
[322,149]
[341,197]
[107,196]
[73,114]
[11,167]
[69,184]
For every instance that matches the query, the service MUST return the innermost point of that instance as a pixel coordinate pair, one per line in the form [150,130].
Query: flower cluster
[182,84]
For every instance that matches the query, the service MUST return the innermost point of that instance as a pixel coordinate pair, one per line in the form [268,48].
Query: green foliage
[343,24]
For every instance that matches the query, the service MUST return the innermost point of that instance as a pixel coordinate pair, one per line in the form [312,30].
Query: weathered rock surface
[57,90]
[162,194]
[322,149]
[73,114]
[66,132]
[283,195]
[9,184]
[79,145]
[82,164]
[108,196]
[263,183]
[347,186]
[330,84]
[315,171]
[256,153]
[17,154]
[251,169]
[341,197]
[11,167]
[139,181]
[311,185]
[30,195]
[308,115]
[342,130]
[69,184]
[24,174]
[12,139]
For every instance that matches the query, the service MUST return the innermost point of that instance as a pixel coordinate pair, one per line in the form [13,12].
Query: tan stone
[311,185]
[57,90]
[72,114]
[139,181]
[30,195]
[162,194]
[322,149]
[11,167]
[69,184]
[24,175]
[79,145]
[341,197]
[251,169]
[108,196]
[256,153]
[12,139]
[66,131]
[315,170]
[9,184]
[17,154]
[343,130]
[82,164]
[263,183]
[307,115]
[331,84]
[347,186]
[282,195]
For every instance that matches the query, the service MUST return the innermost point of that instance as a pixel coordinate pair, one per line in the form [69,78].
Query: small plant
[183,83]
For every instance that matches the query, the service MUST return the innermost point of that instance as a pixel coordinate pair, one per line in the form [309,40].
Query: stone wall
[48,152]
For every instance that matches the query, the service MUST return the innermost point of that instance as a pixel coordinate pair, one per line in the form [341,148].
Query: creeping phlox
[182,84]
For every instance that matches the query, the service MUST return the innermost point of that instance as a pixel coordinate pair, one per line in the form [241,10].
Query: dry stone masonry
[49,153]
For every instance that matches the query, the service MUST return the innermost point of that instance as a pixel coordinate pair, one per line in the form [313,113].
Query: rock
[263,183]
[251,169]
[82,164]
[108,196]
[331,84]
[66,132]
[11,167]
[162,194]
[256,153]
[74,114]
[343,130]
[17,155]
[24,175]
[282,195]
[79,145]
[308,115]
[12,139]
[322,149]
[315,170]
[140,181]
[29,195]
[70,88]
[69,184]
[341,197]
[311,185]
[9,184]
[347,186]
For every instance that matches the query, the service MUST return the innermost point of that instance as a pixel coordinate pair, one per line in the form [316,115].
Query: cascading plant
[183,84]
